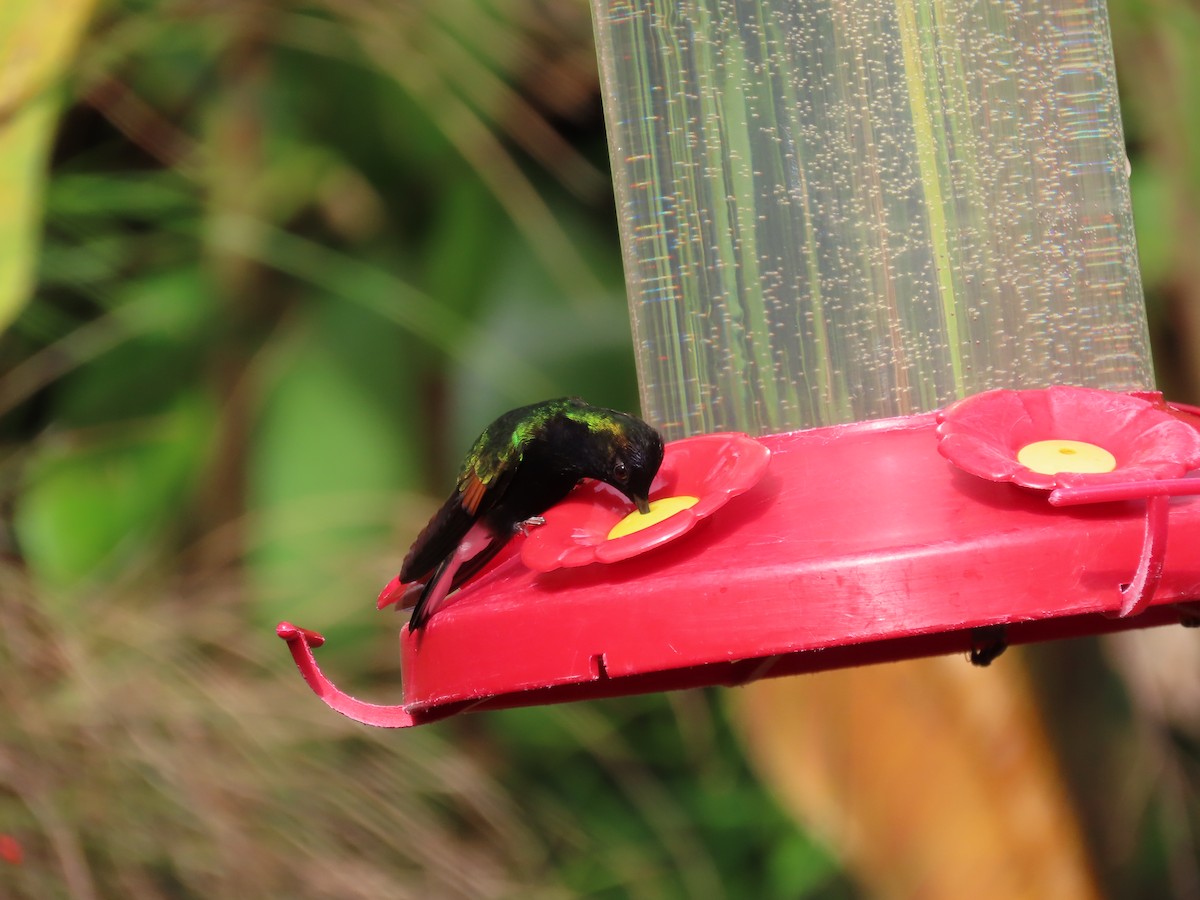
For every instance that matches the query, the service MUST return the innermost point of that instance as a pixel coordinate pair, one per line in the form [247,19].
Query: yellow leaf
[37,41]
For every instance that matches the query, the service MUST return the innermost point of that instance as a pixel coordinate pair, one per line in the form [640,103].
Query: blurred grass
[143,759]
[292,257]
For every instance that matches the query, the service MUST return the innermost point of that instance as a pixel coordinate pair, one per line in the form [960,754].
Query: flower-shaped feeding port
[698,476]
[1084,446]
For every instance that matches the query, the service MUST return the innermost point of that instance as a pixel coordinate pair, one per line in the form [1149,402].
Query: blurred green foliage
[294,256]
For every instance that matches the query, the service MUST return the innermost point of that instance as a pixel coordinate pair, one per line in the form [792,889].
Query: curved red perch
[301,642]
[1137,596]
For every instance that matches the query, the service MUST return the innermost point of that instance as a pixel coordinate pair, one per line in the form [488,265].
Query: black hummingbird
[524,462]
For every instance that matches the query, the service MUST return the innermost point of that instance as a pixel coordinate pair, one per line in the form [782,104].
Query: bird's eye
[620,472]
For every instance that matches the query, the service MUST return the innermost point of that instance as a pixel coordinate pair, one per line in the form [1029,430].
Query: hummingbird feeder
[886,307]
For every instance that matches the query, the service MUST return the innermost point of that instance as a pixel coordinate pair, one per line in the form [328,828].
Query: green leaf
[1154,205]
[336,444]
[463,246]
[95,498]
[799,868]
[142,195]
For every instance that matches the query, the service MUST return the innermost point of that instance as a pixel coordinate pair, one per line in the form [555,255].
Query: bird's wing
[480,486]
[478,547]
[437,540]
[482,482]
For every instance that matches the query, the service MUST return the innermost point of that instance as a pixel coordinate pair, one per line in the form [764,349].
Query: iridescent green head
[624,452]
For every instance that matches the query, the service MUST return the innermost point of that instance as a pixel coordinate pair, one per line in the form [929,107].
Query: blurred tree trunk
[929,778]
[235,167]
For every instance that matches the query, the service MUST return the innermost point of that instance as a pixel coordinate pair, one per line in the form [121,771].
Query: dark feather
[464,573]
[437,540]
[522,464]
[450,524]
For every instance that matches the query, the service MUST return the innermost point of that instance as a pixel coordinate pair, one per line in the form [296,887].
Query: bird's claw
[987,643]
[531,522]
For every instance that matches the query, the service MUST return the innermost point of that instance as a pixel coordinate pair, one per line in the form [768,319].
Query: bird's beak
[643,504]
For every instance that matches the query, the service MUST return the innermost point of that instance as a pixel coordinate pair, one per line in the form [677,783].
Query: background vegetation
[289,257]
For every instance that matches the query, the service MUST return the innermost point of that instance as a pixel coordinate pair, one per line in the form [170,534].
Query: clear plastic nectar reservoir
[836,211]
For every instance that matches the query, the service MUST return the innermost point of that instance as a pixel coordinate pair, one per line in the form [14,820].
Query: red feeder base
[860,544]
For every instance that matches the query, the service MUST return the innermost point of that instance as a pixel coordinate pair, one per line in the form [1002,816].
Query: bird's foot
[988,642]
[531,522]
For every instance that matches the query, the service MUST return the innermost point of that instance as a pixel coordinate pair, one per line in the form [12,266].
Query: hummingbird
[521,465]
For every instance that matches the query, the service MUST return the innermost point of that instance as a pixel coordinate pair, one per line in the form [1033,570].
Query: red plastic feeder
[1046,514]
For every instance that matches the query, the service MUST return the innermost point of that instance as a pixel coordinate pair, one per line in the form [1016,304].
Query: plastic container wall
[836,211]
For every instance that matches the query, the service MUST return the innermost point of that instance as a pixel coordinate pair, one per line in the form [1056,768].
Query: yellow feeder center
[1052,457]
[659,510]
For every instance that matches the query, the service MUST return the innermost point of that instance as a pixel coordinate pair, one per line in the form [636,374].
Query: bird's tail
[461,566]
